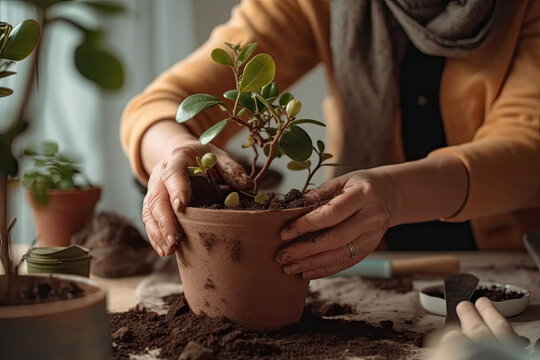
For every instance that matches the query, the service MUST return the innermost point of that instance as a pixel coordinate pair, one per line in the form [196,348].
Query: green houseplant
[227,261]
[54,327]
[61,197]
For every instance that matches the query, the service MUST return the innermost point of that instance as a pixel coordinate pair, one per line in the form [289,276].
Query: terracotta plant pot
[64,215]
[228,267]
[67,329]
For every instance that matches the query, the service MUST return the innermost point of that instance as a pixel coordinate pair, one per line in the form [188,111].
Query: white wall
[70,110]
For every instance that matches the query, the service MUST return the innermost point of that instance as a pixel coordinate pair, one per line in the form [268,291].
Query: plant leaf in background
[194,104]
[5,91]
[212,132]
[258,72]
[99,66]
[105,7]
[8,163]
[296,143]
[4,74]
[21,41]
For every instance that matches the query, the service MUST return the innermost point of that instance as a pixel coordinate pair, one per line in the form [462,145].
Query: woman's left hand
[352,225]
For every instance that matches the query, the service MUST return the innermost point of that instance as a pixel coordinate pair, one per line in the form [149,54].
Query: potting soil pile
[333,326]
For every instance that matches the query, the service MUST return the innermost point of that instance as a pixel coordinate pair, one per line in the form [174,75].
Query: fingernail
[164,251]
[308,275]
[171,240]
[176,204]
[286,234]
[291,269]
[283,258]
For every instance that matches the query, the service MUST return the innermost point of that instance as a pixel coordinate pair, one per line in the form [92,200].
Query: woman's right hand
[169,191]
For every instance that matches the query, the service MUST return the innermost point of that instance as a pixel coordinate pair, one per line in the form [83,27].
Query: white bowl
[507,308]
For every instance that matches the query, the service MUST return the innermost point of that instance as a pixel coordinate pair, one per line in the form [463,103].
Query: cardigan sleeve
[503,159]
[280,27]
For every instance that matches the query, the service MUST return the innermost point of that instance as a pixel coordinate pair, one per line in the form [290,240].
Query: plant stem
[4,251]
[270,155]
[254,162]
[311,173]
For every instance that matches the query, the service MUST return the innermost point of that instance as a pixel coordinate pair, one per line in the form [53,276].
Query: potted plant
[61,197]
[227,261]
[48,310]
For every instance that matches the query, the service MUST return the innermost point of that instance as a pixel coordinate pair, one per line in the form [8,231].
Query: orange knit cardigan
[490,104]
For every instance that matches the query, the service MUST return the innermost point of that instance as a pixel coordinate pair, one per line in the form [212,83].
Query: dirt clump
[313,338]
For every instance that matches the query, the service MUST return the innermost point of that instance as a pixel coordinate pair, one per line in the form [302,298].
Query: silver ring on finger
[352,250]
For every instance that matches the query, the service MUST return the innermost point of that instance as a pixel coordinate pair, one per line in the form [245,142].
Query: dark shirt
[423,132]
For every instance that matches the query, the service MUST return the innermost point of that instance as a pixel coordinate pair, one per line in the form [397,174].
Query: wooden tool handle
[432,265]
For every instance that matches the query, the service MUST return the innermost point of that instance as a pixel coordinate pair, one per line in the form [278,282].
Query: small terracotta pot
[228,267]
[64,215]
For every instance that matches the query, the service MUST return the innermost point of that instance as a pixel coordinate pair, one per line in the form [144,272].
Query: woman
[437,107]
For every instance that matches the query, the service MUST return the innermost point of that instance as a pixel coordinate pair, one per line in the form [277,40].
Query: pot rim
[55,307]
[54,192]
[193,209]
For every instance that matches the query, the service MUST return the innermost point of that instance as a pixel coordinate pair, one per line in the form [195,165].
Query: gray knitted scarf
[368,42]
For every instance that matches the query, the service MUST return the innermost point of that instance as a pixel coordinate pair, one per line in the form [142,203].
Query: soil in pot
[139,330]
[493,293]
[40,290]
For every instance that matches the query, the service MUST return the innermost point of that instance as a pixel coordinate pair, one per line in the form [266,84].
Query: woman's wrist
[423,190]
[161,139]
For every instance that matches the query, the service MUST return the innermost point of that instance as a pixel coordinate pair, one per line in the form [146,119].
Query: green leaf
[271,131]
[296,143]
[285,98]
[320,146]
[245,99]
[221,57]
[297,165]
[22,40]
[29,152]
[232,200]
[49,148]
[269,107]
[5,91]
[105,7]
[258,72]
[212,132]
[99,66]
[326,156]
[4,74]
[232,46]
[246,53]
[307,121]
[193,105]
[277,151]
[269,91]
[261,198]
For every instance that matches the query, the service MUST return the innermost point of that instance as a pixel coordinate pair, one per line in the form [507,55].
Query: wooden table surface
[403,309]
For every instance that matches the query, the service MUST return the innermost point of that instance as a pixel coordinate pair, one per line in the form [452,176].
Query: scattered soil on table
[138,330]
[44,290]
[398,285]
[320,307]
[493,293]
